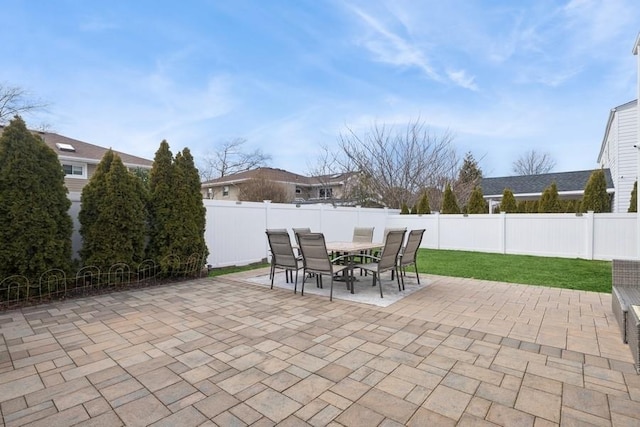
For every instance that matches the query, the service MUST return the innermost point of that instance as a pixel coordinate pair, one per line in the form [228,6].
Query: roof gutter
[95,162]
[560,193]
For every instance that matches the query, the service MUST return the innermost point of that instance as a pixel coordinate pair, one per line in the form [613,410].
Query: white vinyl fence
[235,232]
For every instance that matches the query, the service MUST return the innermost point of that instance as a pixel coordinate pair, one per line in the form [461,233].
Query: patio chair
[282,255]
[408,254]
[363,235]
[297,231]
[388,259]
[316,260]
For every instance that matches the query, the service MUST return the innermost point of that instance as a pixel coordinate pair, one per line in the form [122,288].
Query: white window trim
[84,167]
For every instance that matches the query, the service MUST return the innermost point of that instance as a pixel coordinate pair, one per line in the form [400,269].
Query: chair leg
[379,284]
[417,276]
[304,276]
[330,290]
[272,274]
[399,278]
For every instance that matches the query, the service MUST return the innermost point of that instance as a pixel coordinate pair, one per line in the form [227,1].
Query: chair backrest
[392,244]
[363,234]
[314,253]
[281,249]
[411,248]
[387,230]
[297,231]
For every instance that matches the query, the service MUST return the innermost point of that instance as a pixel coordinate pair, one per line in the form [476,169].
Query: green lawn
[530,270]
[228,270]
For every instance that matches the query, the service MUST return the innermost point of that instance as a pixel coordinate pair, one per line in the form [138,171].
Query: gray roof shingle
[85,152]
[536,184]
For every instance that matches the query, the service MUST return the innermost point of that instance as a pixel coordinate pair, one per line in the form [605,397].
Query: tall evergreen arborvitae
[449,204]
[508,203]
[161,201]
[571,206]
[423,205]
[189,212]
[550,201]
[633,203]
[477,204]
[35,226]
[177,212]
[595,197]
[92,194]
[113,216]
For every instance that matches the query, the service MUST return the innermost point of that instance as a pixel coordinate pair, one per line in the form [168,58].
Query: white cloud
[460,78]
[390,48]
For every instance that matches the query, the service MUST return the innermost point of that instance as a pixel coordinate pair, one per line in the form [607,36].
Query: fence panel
[235,234]
[615,236]
[472,233]
[557,235]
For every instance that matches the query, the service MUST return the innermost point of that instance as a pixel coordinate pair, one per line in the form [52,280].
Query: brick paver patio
[224,352]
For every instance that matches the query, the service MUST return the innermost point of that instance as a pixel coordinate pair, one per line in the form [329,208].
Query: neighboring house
[570,185]
[300,188]
[619,157]
[618,152]
[80,159]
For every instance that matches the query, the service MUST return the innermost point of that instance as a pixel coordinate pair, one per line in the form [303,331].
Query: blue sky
[291,75]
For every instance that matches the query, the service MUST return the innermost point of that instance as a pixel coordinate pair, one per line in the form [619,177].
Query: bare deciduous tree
[533,163]
[16,100]
[230,158]
[259,189]
[398,165]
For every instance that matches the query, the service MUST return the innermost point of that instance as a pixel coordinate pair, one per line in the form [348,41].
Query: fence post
[437,230]
[267,214]
[589,235]
[503,232]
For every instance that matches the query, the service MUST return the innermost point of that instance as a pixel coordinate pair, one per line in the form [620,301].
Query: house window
[326,193]
[225,191]
[75,170]
[298,190]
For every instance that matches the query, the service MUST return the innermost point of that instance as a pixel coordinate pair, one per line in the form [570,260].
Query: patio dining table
[350,250]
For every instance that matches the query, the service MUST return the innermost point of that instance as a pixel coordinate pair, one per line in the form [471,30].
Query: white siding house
[618,153]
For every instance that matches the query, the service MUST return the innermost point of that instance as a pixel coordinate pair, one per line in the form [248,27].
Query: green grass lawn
[529,270]
[235,269]
[569,273]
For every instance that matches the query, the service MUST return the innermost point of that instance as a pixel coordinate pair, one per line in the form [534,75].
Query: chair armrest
[370,258]
[340,258]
